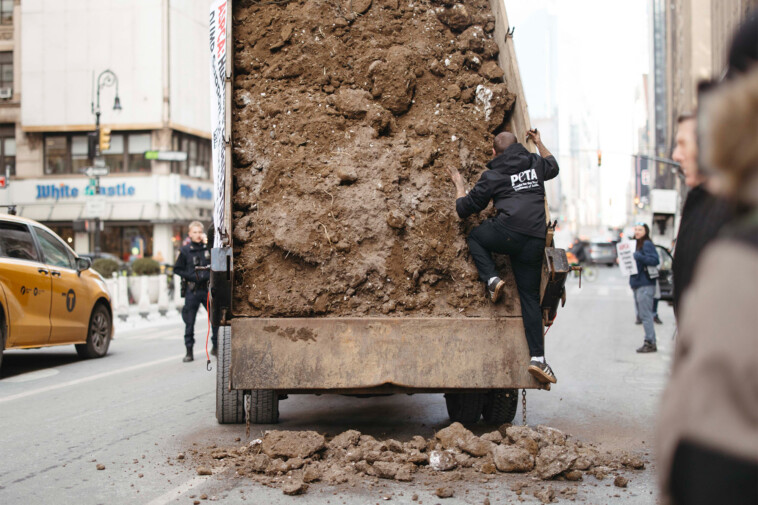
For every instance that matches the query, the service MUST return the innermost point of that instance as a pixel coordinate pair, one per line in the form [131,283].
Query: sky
[601,53]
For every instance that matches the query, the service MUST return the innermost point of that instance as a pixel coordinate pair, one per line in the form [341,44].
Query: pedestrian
[195,254]
[515,182]
[643,284]
[703,214]
[656,300]
[708,427]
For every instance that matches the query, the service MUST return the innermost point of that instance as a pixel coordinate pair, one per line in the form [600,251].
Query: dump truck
[339,265]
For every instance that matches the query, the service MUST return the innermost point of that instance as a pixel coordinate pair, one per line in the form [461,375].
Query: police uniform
[194,255]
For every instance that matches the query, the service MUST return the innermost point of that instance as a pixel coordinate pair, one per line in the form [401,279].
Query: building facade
[52,55]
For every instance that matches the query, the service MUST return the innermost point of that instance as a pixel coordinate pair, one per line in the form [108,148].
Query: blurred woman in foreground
[708,428]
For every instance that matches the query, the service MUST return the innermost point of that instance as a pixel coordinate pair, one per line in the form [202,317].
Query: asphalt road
[136,409]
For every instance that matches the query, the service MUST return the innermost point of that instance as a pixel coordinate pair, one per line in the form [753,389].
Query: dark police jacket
[192,255]
[515,182]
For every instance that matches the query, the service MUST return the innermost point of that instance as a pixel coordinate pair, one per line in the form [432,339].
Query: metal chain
[523,407]
[248,406]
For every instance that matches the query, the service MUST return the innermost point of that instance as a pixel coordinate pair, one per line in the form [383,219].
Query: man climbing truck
[515,183]
[338,264]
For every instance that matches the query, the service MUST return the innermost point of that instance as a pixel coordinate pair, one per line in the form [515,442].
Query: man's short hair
[196,224]
[502,141]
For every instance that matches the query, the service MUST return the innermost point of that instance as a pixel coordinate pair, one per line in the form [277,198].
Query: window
[79,153]
[16,242]
[6,69]
[53,250]
[68,154]
[138,144]
[6,12]
[114,157]
[64,232]
[198,151]
[56,153]
[7,149]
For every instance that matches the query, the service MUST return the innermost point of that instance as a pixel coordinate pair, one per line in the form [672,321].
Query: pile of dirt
[295,460]
[346,114]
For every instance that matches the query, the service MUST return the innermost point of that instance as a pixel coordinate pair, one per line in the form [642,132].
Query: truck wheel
[500,406]
[465,408]
[230,405]
[264,406]
[98,334]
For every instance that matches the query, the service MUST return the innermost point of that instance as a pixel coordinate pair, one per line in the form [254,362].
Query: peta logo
[525,180]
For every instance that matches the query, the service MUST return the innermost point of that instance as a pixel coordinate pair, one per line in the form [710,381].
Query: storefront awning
[54,212]
[183,213]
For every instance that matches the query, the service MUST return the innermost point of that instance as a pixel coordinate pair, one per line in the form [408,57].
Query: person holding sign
[643,283]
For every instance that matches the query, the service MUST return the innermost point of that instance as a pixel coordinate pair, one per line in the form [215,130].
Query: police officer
[195,254]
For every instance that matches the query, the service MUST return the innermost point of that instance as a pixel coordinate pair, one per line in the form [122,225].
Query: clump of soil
[346,115]
[295,460]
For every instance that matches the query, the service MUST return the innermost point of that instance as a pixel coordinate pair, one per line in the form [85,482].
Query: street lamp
[106,79]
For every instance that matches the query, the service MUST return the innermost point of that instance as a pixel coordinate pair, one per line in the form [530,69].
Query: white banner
[625,251]
[218,17]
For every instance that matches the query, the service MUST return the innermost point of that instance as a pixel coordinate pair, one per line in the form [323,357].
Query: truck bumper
[373,355]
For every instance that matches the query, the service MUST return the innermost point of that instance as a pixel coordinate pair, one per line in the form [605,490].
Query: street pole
[97,177]
[106,78]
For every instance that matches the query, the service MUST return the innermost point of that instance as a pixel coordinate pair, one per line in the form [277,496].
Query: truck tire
[465,408]
[500,406]
[230,405]
[99,334]
[264,406]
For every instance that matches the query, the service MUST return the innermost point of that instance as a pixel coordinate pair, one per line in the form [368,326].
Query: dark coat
[647,256]
[515,182]
[192,255]
[702,218]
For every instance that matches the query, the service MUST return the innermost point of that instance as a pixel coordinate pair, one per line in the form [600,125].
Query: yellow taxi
[48,295]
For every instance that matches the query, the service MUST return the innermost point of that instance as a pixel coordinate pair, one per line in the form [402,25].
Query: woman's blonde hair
[730,132]
[196,224]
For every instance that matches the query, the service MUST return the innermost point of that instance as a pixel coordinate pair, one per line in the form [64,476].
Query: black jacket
[515,182]
[702,218]
[190,256]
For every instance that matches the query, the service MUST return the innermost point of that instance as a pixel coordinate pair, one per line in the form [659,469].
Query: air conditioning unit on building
[6,93]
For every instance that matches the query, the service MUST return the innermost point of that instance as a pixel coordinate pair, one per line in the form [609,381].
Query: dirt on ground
[346,115]
[295,461]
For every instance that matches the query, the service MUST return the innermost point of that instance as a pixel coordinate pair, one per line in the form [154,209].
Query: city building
[54,63]
[690,42]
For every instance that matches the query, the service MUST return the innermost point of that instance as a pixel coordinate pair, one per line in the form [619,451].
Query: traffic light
[599,157]
[105,139]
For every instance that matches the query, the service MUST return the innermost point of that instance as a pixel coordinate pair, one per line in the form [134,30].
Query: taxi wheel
[2,343]
[98,334]
[3,333]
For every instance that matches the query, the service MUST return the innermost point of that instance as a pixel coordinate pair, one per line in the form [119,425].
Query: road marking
[33,376]
[177,491]
[88,379]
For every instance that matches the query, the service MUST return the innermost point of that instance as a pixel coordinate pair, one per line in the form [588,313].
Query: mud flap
[555,289]
[221,285]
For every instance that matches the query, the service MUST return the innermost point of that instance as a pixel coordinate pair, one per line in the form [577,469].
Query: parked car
[48,294]
[602,253]
[666,275]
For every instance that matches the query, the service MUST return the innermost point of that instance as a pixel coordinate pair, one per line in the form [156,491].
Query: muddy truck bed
[345,115]
[344,267]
